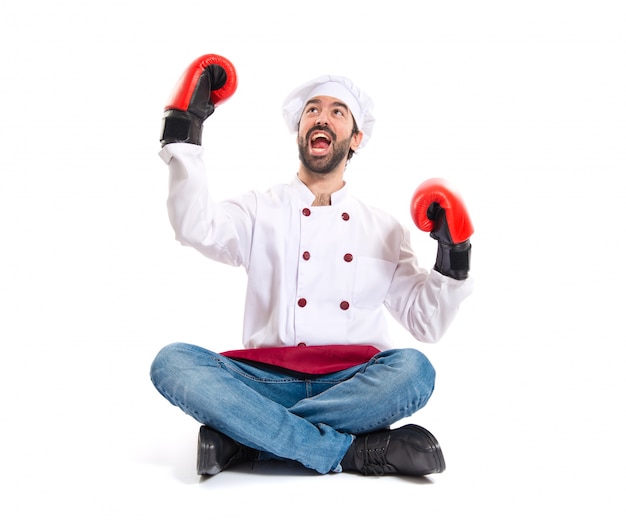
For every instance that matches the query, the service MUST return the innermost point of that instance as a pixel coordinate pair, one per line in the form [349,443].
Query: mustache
[320,128]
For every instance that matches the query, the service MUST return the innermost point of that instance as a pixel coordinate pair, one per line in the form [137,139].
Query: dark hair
[355,131]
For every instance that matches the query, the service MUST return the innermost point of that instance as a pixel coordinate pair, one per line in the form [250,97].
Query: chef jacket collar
[307,197]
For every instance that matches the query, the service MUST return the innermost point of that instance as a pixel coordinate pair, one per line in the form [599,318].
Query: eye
[312,109]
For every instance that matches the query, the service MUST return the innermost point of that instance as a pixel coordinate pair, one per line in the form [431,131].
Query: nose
[321,118]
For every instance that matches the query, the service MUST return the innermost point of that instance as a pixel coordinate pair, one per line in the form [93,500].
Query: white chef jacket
[316,275]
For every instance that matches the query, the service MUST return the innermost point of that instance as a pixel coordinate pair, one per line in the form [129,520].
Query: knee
[415,373]
[421,365]
[168,359]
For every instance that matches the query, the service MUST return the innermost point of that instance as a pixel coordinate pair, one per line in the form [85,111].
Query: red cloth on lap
[321,359]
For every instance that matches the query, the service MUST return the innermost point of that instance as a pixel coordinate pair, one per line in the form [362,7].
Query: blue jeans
[309,419]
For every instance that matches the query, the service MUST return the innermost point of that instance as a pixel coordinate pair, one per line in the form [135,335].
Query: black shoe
[410,451]
[217,452]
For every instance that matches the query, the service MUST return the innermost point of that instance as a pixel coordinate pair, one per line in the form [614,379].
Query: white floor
[520,104]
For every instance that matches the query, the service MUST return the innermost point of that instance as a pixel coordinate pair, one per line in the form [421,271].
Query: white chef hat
[360,105]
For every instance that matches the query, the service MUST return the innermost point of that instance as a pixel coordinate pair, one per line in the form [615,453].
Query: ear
[356,140]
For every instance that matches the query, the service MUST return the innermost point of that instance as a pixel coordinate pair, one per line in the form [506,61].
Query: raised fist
[206,83]
[437,208]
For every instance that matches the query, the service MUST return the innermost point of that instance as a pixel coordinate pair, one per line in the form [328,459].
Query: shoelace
[375,458]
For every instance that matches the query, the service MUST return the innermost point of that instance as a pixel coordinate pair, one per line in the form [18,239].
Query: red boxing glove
[206,83]
[437,208]
[439,192]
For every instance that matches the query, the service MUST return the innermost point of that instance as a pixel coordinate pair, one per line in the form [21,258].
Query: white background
[520,104]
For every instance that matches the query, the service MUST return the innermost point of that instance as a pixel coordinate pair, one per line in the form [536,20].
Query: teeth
[319,135]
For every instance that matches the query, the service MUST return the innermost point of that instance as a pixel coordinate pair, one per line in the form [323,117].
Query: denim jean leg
[391,386]
[246,403]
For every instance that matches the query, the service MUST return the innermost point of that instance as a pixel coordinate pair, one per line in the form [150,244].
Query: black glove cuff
[453,260]
[180,126]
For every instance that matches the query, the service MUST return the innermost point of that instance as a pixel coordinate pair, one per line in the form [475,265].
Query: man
[319,380]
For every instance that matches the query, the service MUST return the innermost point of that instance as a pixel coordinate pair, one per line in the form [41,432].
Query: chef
[318,379]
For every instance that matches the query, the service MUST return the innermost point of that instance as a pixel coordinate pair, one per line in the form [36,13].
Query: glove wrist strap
[453,260]
[180,126]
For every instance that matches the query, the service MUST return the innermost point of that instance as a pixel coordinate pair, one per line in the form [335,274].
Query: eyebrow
[335,104]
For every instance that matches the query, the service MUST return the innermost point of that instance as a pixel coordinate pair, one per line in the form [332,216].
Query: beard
[327,163]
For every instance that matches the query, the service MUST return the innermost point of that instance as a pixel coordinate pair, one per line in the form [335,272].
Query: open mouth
[320,142]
